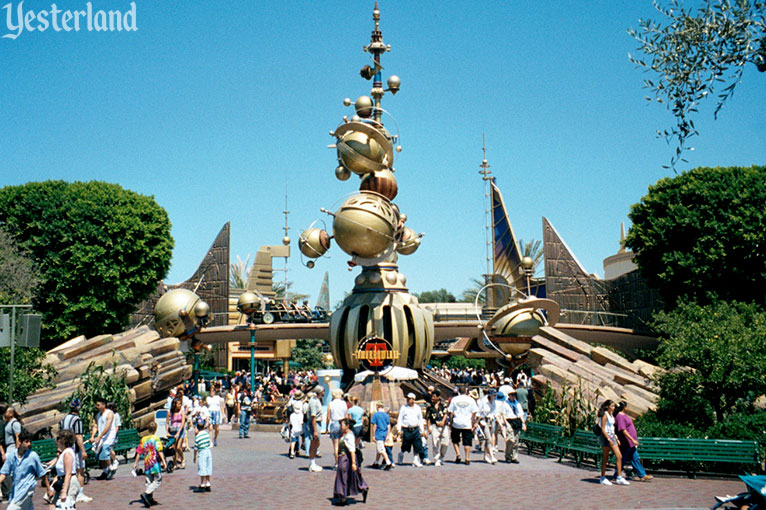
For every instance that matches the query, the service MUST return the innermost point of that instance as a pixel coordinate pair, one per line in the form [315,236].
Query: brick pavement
[257,474]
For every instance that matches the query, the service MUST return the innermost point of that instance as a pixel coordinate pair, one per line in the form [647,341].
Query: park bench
[127,440]
[582,445]
[46,449]
[541,435]
[693,450]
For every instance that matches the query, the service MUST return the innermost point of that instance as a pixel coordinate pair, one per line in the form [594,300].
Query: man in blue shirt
[25,468]
[381,426]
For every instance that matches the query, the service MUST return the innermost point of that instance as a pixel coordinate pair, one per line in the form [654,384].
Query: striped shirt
[202,440]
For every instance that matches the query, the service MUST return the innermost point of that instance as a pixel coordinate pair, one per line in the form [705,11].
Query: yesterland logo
[18,20]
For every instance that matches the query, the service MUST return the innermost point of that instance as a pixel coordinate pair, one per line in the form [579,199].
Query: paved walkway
[257,474]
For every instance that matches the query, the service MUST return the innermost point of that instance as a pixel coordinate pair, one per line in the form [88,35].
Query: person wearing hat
[506,387]
[314,417]
[514,417]
[462,411]
[73,422]
[295,407]
[411,425]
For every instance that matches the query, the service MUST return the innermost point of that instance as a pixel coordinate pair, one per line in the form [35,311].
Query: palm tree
[532,249]
[238,273]
[279,290]
[469,294]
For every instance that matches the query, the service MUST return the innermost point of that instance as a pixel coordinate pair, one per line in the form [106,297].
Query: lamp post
[252,356]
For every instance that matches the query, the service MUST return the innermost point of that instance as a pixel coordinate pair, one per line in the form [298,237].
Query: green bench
[46,449]
[700,450]
[127,441]
[546,437]
[582,445]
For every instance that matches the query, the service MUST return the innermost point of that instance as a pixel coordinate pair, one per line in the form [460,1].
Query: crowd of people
[488,411]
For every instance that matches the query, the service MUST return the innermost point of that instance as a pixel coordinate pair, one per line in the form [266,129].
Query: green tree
[458,362]
[703,232]
[532,249]
[30,372]
[715,357]
[469,294]
[101,250]
[308,354]
[284,293]
[19,277]
[691,53]
[238,273]
[436,296]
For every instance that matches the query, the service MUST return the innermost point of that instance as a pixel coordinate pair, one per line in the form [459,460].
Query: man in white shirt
[104,437]
[412,426]
[313,420]
[462,410]
[506,387]
[516,421]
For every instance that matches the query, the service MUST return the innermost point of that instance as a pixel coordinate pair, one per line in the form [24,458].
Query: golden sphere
[314,242]
[364,225]
[522,322]
[410,242]
[363,106]
[167,318]
[527,263]
[342,173]
[360,153]
[248,302]
[382,182]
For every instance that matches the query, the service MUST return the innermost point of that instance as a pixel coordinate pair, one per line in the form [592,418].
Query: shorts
[464,436]
[334,430]
[357,430]
[79,462]
[106,449]
[204,462]
[380,445]
[215,417]
[308,428]
[605,442]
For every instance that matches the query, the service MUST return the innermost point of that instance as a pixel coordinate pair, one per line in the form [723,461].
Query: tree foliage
[308,354]
[238,273]
[436,296]
[715,356]
[19,277]
[30,372]
[458,362]
[703,233]
[691,53]
[101,250]
[98,382]
[532,249]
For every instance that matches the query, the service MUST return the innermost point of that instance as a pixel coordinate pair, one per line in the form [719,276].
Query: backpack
[597,429]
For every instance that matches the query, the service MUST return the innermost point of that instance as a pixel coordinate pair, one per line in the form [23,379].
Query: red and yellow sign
[375,353]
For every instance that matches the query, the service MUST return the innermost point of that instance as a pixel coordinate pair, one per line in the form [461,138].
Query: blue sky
[216,108]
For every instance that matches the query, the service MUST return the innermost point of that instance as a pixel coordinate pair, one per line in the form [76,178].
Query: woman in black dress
[348,477]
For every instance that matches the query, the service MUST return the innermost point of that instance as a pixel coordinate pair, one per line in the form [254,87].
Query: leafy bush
[30,373]
[95,383]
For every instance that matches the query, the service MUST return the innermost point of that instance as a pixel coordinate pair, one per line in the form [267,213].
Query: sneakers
[400,458]
[621,481]
[315,468]
[416,462]
[82,498]
[438,463]
[114,465]
[427,461]
[646,478]
[145,500]
[388,467]
[375,466]
[110,474]
[604,481]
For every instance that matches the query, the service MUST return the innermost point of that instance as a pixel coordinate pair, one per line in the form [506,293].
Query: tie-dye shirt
[149,448]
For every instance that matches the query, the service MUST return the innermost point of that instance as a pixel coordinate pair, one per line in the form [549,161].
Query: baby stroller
[169,450]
